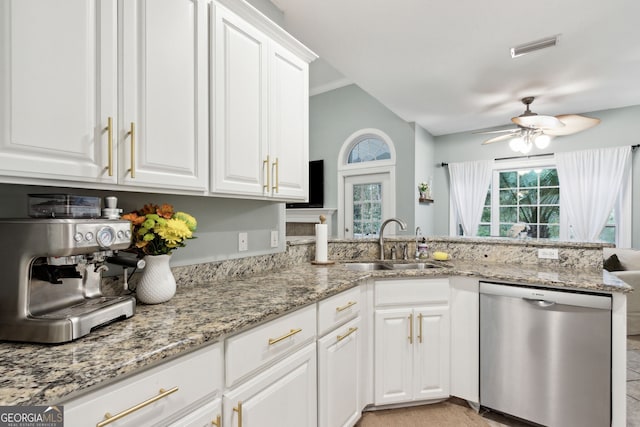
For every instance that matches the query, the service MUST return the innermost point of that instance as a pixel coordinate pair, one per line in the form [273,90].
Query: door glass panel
[367,209]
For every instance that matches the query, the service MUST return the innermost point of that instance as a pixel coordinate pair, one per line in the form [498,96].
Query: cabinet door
[164,86]
[57,88]
[289,124]
[393,367]
[239,148]
[338,376]
[431,353]
[282,396]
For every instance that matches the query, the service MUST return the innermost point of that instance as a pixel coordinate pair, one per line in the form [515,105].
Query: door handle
[411,329]
[132,134]
[238,409]
[110,145]
[539,302]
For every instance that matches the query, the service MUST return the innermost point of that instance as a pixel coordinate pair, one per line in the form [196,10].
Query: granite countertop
[205,313]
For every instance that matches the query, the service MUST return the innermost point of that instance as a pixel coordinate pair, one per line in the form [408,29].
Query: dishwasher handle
[539,302]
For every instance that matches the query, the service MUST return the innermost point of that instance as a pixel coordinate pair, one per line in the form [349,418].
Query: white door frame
[346,170]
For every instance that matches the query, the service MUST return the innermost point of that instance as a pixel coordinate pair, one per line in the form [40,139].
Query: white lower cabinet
[160,395]
[209,414]
[465,337]
[284,395]
[411,340]
[339,365]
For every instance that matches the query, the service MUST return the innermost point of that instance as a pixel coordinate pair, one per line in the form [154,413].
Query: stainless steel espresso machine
[51,273]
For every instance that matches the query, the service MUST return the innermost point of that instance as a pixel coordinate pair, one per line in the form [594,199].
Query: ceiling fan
[538,129]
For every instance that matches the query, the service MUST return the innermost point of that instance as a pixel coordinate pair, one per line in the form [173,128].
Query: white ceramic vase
[157,283]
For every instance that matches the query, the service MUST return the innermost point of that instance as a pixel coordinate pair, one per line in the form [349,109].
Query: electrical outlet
[243,242]
[548,253]
[274,238]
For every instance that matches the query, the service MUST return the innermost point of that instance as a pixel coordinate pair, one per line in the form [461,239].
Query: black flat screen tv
[316,187]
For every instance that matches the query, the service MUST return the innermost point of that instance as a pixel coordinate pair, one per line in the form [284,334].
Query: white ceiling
[446,64]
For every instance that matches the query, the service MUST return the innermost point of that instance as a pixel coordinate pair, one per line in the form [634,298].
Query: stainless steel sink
[386,265]
[365,266]
[410,266]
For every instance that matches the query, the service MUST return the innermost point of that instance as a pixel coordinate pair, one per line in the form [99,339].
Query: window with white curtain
[528,191]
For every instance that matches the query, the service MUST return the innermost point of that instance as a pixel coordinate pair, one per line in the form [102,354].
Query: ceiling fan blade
[538,122]
[501,138]
[573,123]
[487,132]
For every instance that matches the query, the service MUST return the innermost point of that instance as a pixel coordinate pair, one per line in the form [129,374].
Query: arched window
[370,148]
[366,179]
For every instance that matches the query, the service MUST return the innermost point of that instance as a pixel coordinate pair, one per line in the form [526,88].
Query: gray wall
[424,171]
[335,115]
[219,220]
[619,127]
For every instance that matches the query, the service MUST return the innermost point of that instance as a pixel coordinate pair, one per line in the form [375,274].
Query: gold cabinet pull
[216,422]
[110,419]
[109,130]
[132,134]
[411,329]
[347,305]
[349,332]
[291,333]
[238,409]
[276,180]
[265,167]
[420,328]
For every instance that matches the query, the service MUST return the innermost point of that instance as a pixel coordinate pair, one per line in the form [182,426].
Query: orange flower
[149,209]
[166,211]
[134,218]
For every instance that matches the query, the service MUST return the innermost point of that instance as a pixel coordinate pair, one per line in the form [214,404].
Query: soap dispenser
[422,249]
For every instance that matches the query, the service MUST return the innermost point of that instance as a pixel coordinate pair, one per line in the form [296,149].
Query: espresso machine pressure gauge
[105,237]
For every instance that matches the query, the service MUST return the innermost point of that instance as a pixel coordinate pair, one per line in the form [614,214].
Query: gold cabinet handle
[291,333]
[216,422]
[109,130]
[132,134]
[420,328]
[265,167]
[411,329]
[349,332]
[110,419]
[238,409]
[276,180]
[347,305]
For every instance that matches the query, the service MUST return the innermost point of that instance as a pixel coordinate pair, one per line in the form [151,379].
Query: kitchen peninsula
[211,306]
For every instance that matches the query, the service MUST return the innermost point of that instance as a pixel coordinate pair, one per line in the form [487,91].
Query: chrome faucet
[403,225]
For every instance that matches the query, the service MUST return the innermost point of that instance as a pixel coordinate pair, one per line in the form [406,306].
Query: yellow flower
[188,219]
[174,231]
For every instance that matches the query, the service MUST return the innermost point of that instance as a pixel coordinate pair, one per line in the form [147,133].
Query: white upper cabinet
[69,68]
[239,147]
[57,88]
[289,124]
[164,94]
[260,113]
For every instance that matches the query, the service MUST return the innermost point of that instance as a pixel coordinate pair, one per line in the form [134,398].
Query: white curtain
[469,184]
[590,183]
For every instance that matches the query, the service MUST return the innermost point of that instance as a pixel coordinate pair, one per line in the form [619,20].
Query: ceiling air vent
[523,49]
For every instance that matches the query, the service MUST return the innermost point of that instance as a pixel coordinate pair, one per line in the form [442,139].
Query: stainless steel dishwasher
[545,356]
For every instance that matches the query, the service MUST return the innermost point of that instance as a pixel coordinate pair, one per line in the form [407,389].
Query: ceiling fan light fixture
[533,46]
[542,141]
[517,143]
